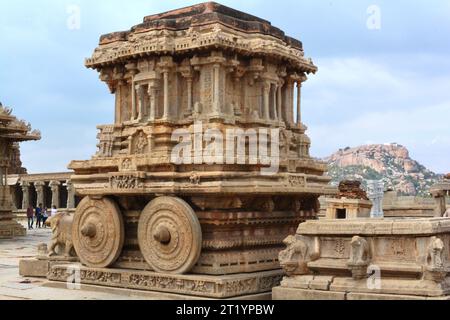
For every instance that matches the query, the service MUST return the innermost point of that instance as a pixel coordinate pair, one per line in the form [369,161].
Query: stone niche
[367,259]
[195,228]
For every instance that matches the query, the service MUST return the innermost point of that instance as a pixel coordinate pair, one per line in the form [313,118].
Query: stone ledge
[280,293]
[216,287]
[375,227]
[153,295]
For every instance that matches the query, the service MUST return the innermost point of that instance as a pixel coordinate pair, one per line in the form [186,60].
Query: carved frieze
[229,286]
[125,182]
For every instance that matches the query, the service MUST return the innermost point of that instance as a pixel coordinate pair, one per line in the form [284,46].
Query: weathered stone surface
[281,293]
[194,285]
[34,268]
[369,258]
[351,190]
[440,192]
[208,24]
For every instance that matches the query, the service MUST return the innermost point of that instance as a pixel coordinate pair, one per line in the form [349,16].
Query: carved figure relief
[295,257]
[106,142]
[125,182]
[359,257]
[141,143]
[435,253]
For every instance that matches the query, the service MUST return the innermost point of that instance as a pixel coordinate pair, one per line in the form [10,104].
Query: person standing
[38,216]
[44,217]
[30,212]
[53,212]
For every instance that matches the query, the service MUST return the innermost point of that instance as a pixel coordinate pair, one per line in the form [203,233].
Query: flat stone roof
[199,15]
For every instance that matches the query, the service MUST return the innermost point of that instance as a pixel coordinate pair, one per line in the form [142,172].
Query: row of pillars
[152,87]
[55,191]
[273,91]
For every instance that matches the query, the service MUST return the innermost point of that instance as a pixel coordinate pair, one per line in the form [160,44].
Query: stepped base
[153,295]
[194,286]
[293,294]
[11,229]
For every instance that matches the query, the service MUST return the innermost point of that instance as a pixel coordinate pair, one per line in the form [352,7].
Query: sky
[384,71]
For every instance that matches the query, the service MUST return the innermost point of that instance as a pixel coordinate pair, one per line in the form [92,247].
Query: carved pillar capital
[54,184]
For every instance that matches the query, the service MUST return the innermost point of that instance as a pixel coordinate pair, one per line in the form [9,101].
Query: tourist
[30,212]
[53,212]
[38,216]
[44,217]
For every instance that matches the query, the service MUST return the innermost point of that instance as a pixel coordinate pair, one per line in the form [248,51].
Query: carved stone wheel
[170,235]
[98,232]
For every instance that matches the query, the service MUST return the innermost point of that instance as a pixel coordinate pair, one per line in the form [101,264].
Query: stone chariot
[223,222]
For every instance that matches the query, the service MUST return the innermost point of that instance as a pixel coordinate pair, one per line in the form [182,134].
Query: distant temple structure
[12,131]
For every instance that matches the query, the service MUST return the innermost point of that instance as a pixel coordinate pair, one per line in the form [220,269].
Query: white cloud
[353,101]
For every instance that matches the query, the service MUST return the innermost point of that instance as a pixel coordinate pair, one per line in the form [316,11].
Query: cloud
[388,85]
[355,100]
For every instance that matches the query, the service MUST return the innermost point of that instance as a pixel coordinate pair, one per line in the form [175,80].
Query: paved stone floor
[15,287]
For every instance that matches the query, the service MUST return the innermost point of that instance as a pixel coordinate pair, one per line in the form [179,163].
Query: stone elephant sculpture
[61,226]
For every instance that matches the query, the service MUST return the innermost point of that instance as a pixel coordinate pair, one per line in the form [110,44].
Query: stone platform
[367,259]
[215,287]
[11,229]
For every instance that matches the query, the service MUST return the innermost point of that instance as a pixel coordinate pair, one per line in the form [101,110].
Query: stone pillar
[216,92]
[141,102]
[118,111]
[375,192]
[266,108]
[299,98]
[26,195]
[2,175]
[152,101]
[279,102]
[13,198]
[189,97]
[275,101]
[187,73]
[289,101]
[166,94]
[331,212]
[70,195]
[54,185]
[133,101]
[40,192]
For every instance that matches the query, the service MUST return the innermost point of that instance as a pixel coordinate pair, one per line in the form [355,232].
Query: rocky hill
[390,163]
